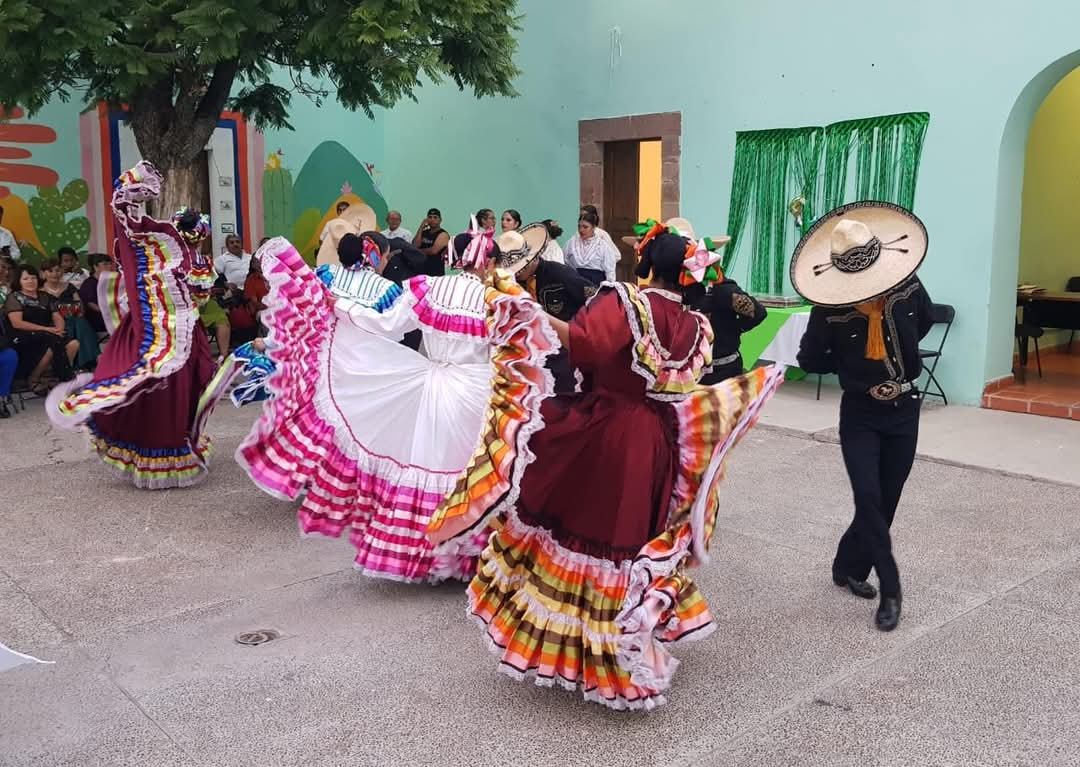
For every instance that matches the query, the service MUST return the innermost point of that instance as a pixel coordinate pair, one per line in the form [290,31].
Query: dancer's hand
[331,300]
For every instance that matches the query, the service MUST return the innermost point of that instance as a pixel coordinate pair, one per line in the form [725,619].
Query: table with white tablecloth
[777,339]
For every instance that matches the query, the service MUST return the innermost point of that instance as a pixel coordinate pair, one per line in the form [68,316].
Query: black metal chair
[1024,331]
[941,314]
[1072,286]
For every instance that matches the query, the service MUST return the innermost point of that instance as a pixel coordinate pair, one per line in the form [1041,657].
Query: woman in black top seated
[70,306]
[38,331]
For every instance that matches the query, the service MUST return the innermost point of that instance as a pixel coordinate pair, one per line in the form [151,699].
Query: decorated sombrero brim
[356,219]
[517,249]
[854,276]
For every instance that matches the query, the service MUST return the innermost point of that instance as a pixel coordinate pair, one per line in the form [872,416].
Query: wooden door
[620,213]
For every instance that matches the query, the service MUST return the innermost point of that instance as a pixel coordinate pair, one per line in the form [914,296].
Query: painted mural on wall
[45,216]
[299,209]
[47,208]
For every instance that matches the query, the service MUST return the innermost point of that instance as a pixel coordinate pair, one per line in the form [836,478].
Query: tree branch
[217,93]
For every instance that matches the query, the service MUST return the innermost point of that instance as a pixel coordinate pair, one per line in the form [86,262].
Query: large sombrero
[518,249]
[858,252]
[356,219]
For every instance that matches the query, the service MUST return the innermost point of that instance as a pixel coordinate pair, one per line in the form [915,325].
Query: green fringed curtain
[771,167]
[887,151]
[742,188]
[774,166]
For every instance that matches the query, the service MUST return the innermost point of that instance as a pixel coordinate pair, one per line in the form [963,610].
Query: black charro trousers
[878,442]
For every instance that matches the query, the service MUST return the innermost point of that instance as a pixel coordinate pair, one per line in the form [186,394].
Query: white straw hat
[518,248]
[858,252]
[356,219]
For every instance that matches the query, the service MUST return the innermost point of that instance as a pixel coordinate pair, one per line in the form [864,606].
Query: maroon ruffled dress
[147,401]
[599,500]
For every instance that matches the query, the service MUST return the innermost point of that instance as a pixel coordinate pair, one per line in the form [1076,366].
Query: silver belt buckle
[890,390]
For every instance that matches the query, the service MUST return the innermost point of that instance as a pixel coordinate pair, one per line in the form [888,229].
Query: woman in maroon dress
[145,406]
[599,499]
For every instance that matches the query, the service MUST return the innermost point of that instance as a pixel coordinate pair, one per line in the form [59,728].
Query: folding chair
[941,314]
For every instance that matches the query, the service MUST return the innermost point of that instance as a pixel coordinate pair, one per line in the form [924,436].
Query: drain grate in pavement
[257,637]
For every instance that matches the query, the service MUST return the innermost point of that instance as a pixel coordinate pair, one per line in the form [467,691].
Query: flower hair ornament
[646,232]
[372,254]
[192,225]
[702,263]
[479,249]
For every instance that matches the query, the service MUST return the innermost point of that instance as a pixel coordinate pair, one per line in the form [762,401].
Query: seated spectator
[215,320]
[70,307]
[9,246]
[233,263]
[394,230]
[88,291]
[38,331]
[7,278]
[256,289]
[73,273]
[554,251]
[9,363]
[433,241]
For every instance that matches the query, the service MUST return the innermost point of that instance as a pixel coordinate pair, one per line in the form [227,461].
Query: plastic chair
[941,314]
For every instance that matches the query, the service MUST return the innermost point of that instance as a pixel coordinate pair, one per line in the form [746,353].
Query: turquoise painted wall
[729,66]
[314,124]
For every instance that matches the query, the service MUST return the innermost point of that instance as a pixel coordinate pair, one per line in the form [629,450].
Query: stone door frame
[593,134]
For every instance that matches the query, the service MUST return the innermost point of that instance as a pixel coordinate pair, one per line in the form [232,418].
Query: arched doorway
[1002,391]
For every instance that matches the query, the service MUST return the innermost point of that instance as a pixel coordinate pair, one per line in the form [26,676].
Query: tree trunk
[183,187]
[172,121]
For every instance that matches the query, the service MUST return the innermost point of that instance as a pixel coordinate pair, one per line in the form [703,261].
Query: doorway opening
[630,172]
[1046,356]
[632,193]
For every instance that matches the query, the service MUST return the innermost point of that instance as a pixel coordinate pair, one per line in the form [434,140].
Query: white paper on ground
[9,658]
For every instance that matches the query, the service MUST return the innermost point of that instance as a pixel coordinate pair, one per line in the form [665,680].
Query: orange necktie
[875,336]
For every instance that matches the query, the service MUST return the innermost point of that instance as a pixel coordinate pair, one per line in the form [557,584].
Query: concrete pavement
[138,597]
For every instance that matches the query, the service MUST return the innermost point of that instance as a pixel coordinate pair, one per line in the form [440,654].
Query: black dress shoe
[888,613]
[860,589]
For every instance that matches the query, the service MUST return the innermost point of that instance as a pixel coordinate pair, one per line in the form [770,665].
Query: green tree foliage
[177,65]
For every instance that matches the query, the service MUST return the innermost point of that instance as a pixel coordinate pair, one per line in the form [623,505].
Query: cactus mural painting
[42,225]
[330,175]
[277,183]
[14,132]
[49,212]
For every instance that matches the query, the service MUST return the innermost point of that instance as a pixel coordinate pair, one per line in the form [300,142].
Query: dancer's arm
[394,322]
[815,351]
